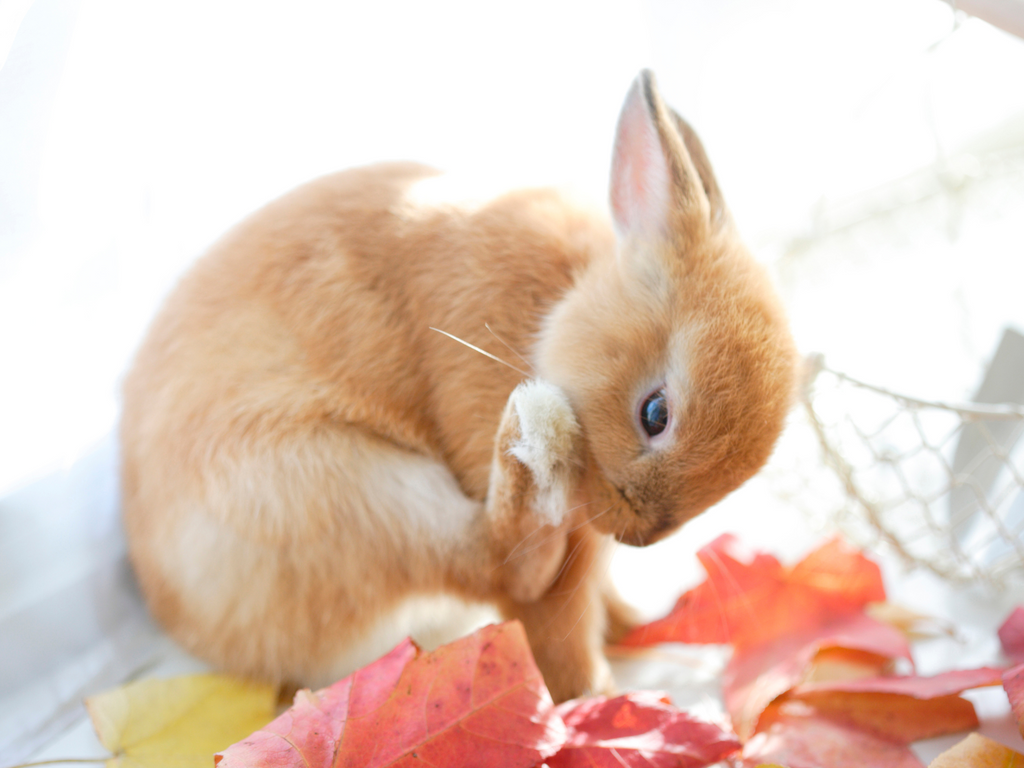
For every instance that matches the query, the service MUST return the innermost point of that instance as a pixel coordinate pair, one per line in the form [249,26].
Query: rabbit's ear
[656,190]
[719,212]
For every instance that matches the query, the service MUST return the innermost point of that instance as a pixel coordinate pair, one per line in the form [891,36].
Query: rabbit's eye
[654,413]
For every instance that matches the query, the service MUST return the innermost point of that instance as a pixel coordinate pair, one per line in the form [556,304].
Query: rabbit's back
[299,447]
[320,309]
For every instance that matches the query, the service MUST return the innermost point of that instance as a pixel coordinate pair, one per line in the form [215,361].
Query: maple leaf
[779,620]
[943,684]
[838,570]
[756,675]
[796,736]
[807,683]
[1013,684]
[638,729]
[749,598]
[903,709]
[307,734]
[978,752]
[1011,635]
[178,722]
[480,699]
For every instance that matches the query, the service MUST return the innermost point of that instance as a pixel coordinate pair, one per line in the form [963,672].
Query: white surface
[131,135]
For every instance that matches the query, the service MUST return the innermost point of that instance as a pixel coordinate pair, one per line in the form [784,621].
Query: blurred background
[872,152]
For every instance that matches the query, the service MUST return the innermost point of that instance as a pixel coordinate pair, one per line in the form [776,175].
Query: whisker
[508,346]
[553,533]
[590,601]
[541,543]
[482,352]
[571,557]
[569,560]
[587,579]
[578,620]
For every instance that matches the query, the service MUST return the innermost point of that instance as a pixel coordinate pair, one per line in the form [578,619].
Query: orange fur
[302,453]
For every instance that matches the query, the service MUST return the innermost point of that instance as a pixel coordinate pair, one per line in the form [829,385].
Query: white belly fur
[430,621]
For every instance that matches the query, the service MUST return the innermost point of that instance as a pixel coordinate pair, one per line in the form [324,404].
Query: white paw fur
[549,436]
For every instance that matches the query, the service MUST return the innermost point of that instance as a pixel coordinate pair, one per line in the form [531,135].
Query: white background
[132,134]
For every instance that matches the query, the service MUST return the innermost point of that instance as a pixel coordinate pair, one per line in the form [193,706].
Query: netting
[942,484]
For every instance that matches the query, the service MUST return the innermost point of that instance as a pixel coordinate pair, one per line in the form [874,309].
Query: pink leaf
[307,734]
[1013,684]
[756,676]
[1011,635]
[797,737]
[943,684]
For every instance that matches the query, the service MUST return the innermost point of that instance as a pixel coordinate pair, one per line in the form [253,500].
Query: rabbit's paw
[549,444]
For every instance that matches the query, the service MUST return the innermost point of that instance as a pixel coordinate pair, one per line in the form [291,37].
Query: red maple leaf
[479,700]
[784,625]
[777,619]
[749,598]
[638,729]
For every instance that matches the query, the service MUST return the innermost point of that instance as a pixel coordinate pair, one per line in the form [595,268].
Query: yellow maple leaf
[178,722]
[978,752]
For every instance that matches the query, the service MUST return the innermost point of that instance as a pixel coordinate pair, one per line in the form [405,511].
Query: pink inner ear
[640,177]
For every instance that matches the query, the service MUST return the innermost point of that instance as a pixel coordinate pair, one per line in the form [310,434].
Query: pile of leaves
[810,684]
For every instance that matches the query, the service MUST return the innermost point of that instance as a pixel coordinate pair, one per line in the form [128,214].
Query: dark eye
[654,413]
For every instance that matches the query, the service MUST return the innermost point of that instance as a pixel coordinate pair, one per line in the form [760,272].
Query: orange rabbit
[305,461]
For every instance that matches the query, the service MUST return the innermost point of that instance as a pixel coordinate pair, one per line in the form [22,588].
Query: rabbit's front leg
[551,561]
[534,473]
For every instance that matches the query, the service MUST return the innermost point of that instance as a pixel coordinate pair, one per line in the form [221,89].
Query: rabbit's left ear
[656,189]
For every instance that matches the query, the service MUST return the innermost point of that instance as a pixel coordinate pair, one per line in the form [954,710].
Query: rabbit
[313,445]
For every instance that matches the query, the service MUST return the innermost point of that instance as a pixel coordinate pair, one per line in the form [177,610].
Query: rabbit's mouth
[627,522]
[621,510]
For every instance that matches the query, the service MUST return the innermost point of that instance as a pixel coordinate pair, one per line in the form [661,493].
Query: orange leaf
[749,598]
[638,729]
[978,752]
[897,717]
[717,610]
[905,708]
[481,695]
[838,569]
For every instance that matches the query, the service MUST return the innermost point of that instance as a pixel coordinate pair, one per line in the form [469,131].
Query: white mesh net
[941,484]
